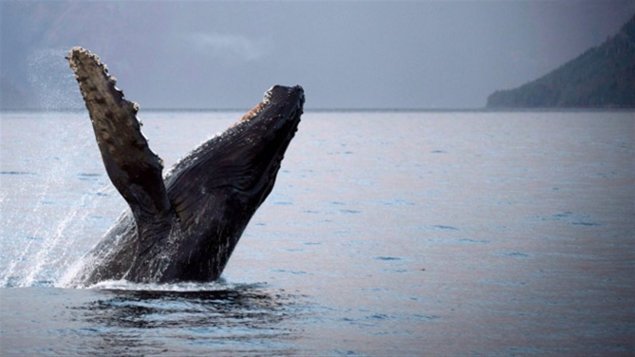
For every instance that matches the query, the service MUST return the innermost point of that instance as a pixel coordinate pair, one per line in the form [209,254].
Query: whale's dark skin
[185,226]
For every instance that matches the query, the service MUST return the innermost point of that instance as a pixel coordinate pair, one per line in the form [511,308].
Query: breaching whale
[185,226]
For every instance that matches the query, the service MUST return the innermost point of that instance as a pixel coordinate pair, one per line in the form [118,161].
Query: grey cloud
[229,47]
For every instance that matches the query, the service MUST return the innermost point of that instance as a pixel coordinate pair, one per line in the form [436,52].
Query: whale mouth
[278,101]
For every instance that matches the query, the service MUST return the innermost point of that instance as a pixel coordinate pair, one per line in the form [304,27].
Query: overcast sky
[419,54]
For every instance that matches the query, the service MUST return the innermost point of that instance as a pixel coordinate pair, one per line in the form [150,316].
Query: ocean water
[387,233]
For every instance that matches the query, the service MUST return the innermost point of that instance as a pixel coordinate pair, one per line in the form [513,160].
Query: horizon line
[353,109]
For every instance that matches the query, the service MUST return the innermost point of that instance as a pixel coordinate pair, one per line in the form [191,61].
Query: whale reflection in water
[143,321]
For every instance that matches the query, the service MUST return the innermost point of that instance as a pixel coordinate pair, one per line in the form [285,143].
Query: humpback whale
[184,226]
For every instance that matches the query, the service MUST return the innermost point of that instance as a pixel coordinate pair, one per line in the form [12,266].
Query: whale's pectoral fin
[132,167]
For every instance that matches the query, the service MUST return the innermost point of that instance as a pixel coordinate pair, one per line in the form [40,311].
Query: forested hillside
[602,77]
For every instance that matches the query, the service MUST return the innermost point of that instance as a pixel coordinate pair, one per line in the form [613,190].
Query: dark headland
[601,77]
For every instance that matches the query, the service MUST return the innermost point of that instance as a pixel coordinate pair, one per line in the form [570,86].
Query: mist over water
[386,233]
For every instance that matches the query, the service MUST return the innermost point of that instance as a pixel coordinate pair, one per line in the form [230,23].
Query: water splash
[54,253]
[50,80]
[44,214]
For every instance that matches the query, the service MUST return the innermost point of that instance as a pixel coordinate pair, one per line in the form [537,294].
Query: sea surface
[387,233]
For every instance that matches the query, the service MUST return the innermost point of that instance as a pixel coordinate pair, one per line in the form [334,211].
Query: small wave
[85,176]
[283,203]
[386,258]
[18,173]
[350,211]
[583,223]
[515,254]
[576,219]
[294,272]
[445,228]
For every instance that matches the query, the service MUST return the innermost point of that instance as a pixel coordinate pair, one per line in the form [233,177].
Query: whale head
[268,129]
[217,188]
